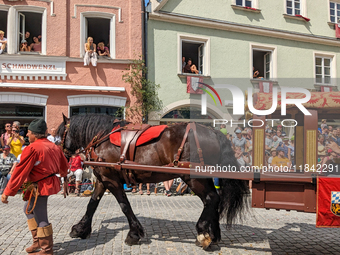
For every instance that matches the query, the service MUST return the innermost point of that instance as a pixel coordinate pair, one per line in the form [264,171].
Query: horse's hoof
[204,240]
[131,241]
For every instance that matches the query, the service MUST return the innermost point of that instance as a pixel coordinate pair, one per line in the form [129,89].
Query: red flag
[337,31]
[193,83]
[328,202]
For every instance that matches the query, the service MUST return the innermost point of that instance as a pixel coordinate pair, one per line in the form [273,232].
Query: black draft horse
[159,152]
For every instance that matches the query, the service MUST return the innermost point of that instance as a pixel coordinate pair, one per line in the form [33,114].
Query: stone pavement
[169,224]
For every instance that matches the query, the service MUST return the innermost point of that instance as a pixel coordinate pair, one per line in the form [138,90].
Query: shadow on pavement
[294,238]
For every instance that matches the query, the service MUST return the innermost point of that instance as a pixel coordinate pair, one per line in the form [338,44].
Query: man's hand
[4,199]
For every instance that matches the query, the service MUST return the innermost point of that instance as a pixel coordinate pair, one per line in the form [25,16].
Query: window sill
[37,56]
[183,75]
[305,19]
[318,87]
[257,81]
[237,7]
[332,24]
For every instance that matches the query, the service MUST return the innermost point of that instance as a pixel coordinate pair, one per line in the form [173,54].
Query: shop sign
[34,67]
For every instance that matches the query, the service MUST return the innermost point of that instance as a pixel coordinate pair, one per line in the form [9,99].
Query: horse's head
[64,133]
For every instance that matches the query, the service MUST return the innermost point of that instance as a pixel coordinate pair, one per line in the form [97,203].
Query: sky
[146,2]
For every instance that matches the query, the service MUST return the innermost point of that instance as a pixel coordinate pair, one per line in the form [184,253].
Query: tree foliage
[144,90]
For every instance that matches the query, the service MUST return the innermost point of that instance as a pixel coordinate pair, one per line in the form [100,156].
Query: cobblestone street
[169,224]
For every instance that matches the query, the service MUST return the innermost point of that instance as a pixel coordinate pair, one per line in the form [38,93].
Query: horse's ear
[66,120]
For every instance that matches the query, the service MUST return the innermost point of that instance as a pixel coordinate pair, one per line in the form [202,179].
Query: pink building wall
[63,40]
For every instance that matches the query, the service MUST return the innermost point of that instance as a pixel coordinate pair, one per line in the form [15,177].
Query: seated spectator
[280,160]
[323,123]
[24,46]
[5,136]
[76,169]
[103,50]
[273,154]
[7,162]
[28,38]
[190,67]
[53,136]
[15,142]
[36,46]
[183,64]
[276,142]
[90,53]
[241,157]
[3,42]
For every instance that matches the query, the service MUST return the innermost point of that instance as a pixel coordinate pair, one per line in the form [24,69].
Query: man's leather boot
[32,226]
[45,236]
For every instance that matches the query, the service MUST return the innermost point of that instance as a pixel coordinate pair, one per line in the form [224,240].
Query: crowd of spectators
[328,142]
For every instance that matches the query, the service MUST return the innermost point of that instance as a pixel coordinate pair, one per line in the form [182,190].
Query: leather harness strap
[191,125]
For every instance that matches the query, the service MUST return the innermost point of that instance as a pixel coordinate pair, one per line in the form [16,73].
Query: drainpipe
[145,40]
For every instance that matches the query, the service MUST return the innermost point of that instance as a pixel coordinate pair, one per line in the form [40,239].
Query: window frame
[206,52]
[254,3]
[329,10]
[303,8]
[13,27]
[6,8]
[99,15]
[273,65]
[325,55]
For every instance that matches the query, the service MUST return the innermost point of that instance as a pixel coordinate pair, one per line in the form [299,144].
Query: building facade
[291,43]
[54,81]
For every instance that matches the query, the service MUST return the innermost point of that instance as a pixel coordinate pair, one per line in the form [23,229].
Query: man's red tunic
[39,160]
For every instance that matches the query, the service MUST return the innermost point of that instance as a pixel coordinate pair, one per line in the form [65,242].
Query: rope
[33,190]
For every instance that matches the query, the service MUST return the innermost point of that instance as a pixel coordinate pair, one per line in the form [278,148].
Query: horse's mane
[84,127]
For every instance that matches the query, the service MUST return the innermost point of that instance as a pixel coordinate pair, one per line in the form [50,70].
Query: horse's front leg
[208,226]
[136,230]
[83,228]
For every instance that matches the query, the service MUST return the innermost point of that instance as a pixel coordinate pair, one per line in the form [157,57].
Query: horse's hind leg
[208,226]
[136,230]
[83,228]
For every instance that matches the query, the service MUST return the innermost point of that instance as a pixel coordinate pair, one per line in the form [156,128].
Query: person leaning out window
[24,46]
[90,53]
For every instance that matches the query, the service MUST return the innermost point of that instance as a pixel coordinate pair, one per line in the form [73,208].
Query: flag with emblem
[328,202]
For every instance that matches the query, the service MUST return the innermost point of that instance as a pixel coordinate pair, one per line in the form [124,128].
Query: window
[293,7]
[323,70]
[244,3]
[262,62]
[99,30]
[3,21]
[79,110]
[29,22]
[334,9]
[101,27]
[197,50]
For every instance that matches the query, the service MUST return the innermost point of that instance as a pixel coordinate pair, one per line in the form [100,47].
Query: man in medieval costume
[36,172]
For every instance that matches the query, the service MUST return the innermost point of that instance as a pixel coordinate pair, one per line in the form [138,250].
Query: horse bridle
[65,150]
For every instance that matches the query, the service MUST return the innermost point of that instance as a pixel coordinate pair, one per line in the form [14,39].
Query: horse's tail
[233,192]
